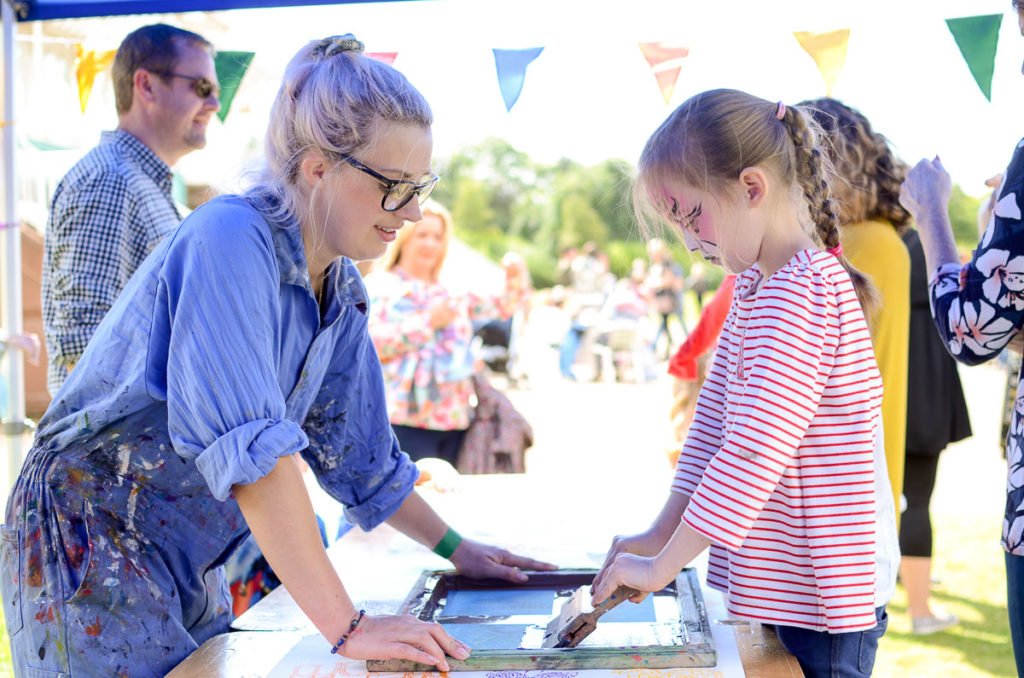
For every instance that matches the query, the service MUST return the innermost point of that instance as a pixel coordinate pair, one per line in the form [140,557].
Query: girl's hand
[638,572]
[482,561]
[648,543]
[925,190]
[403,637]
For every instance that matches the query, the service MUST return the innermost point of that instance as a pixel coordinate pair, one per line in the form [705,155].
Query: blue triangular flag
[511,65]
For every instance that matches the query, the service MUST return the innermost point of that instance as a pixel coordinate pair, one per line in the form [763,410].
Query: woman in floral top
[977,309]
[423,334]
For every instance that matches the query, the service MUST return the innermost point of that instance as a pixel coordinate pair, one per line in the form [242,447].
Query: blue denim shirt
[214,362]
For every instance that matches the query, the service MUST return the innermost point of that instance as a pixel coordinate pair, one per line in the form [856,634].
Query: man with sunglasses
[113,207]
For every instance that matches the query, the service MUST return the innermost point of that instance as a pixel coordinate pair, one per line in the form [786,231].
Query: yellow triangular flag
[87,64]
[828,51]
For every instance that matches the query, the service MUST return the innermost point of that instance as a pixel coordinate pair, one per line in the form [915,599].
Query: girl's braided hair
[714,135]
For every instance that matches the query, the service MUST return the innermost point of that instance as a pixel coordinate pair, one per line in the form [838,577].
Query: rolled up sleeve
[247,453]
[225,405]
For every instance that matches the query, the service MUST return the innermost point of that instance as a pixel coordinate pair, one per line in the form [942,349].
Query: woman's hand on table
[403,637]
[483,561]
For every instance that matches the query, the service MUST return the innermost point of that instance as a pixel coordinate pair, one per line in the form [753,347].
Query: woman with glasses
[423,332]
[236,353]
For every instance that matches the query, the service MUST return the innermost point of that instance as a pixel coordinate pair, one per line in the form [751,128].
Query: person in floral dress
[423,332]
[978,308]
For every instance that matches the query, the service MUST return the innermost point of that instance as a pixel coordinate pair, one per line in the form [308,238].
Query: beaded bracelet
[449,542]
[351,628]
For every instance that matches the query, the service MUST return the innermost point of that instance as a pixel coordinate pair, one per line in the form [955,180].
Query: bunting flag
[230,67]
[828,51]
[88,63]
[386,57]
[977,37]
[511,65]
[666,61]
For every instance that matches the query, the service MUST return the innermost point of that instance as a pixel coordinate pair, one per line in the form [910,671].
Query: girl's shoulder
[810,273]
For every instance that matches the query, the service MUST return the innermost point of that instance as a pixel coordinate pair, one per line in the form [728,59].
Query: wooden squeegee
[578,619]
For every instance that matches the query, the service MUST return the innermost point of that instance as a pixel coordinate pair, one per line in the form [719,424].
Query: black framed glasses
[202,86]
[399,191]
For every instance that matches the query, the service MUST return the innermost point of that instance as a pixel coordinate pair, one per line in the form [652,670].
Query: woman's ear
[754,182]
[312,169]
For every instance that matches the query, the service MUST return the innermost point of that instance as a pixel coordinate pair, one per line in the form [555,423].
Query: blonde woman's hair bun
[336,44]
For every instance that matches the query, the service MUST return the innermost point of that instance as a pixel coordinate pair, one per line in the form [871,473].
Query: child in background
[782,473]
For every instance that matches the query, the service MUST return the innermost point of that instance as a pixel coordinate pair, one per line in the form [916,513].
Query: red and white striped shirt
[779,460]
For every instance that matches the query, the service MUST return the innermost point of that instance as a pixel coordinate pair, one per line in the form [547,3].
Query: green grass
[969,563]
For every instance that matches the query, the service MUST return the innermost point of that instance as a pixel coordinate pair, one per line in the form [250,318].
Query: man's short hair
[154,48]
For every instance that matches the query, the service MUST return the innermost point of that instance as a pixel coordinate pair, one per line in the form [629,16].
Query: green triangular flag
[976,36]
[231,66]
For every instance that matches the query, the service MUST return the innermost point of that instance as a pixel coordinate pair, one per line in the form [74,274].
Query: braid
[813,170]
[891,173]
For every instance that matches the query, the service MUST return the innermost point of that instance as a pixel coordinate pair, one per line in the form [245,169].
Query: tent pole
[11,366]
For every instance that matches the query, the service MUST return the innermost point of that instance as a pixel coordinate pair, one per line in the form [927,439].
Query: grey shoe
[923,626]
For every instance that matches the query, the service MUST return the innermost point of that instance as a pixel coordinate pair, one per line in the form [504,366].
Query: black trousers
[916,523]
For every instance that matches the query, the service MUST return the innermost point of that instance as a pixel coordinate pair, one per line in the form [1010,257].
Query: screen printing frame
[694,649]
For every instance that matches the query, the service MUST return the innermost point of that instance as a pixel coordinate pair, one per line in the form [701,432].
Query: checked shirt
[108,212]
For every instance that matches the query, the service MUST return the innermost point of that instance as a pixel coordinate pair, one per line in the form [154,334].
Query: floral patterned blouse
[979,307]
[427,372]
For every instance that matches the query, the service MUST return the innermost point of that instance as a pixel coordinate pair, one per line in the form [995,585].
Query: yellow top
[876,250]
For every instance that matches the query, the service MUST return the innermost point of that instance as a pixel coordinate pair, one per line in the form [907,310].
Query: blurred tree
[963,215]
[579,222]
[502,200]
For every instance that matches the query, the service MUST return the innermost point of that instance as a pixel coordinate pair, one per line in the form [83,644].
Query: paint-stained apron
[117,546]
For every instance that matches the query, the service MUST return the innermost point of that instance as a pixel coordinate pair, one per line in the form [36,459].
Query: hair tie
[836,251]
[780,111]
[336,44]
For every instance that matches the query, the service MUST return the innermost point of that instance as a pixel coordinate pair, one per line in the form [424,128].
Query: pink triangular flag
[666,61]
[386,57]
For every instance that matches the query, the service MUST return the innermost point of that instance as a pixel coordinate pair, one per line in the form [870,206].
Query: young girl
[239,344]
[782,473]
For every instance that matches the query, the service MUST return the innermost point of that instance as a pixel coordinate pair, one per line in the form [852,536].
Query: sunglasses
[398,192]
[203,87]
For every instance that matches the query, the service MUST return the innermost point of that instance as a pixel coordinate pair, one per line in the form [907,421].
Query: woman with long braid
[783,471]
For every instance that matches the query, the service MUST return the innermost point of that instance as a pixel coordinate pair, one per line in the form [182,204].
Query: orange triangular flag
[666,61]
[87,65]
[828,51]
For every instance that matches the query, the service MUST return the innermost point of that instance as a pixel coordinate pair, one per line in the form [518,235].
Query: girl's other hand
[403,637]
[648,543]
[638,572]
